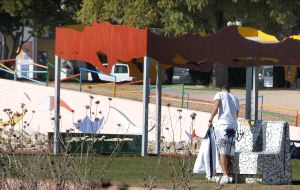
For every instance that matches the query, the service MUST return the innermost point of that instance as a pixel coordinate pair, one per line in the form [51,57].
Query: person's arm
[237,107]
[214,112]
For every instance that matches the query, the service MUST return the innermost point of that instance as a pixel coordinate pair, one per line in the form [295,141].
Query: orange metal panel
[118,43]
[124,43]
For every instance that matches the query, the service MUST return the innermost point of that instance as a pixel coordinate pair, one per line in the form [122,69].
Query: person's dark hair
[225,87]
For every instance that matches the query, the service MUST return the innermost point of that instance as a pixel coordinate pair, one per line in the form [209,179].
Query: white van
[119,73]
[266,76]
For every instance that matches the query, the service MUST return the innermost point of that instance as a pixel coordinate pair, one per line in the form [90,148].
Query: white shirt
[229,105]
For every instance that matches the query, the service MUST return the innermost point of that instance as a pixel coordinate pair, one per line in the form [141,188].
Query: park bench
[262,153]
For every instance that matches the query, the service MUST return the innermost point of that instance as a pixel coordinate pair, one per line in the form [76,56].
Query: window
[121,69]
[268,72]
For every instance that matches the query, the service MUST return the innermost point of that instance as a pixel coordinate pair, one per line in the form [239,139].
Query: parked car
[181,75]
[119,73]
[266,76]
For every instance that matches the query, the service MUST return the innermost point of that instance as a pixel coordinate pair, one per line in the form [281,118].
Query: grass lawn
[138,171]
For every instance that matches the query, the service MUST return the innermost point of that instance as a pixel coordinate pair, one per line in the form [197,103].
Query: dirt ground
[286,98]
[286,101]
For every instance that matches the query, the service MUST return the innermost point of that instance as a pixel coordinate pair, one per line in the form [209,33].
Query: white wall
[12,94]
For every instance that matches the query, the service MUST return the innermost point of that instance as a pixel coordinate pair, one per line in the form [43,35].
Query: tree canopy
[180,16]
[40,16]
[176,17]
[169,18]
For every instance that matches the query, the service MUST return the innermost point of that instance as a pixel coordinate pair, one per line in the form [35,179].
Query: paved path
[281,98]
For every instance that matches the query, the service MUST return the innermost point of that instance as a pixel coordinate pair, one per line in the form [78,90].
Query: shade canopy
[233,46]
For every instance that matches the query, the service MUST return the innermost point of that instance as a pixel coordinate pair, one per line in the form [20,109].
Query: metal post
[255,94]
[188,99]
[34,49]
[114,87]
[262,108]
[80,79]
[248,92]
[146,91]
[47,77]
[15,72]
[182,96]
[34,56]
[158,107]
[56,147]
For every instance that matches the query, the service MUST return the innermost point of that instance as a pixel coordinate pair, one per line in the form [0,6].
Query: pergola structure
[233,46]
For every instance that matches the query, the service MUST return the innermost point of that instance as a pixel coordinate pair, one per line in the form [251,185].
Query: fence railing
[71,77]
[19,73]
[114,84]
[82,70]
[260,106]
[288,114]
[179,90]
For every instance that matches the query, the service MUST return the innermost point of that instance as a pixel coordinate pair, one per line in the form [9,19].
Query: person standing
[227,106]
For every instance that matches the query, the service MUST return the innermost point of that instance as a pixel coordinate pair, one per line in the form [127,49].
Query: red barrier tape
[11,60]
[70,77]
[134,82]
[7,60]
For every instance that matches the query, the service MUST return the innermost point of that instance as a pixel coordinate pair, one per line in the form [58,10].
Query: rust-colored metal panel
[118,43]
[124,43]
[224,47]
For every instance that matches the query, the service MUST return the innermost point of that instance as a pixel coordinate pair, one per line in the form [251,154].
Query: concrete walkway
[281,98]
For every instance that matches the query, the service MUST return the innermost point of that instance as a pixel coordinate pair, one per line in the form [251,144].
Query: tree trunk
[279,77]
[11,52]
[5,48]
[6,55]
[219,75]
[14,49]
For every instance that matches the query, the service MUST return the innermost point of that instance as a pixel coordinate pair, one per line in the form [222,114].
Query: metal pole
[80,79]
[158,107]
[114,87]
[182,96]
[262,108]
[34,49]
[188,99]
[34,56]
[56,147]
[255,94]
[248,92]
[47,77]
[146,91]
[15,70]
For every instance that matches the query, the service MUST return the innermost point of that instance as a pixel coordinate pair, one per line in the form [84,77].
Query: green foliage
[171,16]
[140,14]
[134,171]
[274,17]
[40,16]
[177,17]
[90,10]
